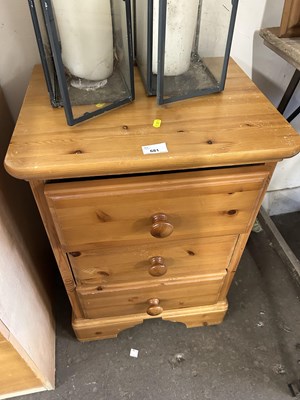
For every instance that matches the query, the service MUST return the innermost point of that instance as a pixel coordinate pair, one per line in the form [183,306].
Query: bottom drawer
[151,299]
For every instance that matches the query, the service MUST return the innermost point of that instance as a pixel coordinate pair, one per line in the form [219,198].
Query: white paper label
[134,353]
[155,148]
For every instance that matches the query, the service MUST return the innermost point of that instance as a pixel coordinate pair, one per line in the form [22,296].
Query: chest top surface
[237,126]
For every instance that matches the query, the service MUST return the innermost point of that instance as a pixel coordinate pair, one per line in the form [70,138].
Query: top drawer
[151,207]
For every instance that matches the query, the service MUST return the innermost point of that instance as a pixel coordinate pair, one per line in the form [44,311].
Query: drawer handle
[161,228]
[157,267]
[154,307]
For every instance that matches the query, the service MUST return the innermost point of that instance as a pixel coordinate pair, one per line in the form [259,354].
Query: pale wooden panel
[237,126]
[2,339]
[134,299]
[103,328]
[22,393]
[15,374]
[199,203]
[25,265]
[110,266]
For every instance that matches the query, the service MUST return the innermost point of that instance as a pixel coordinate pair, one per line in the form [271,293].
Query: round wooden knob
[161,228]
[157,267]
[154,308]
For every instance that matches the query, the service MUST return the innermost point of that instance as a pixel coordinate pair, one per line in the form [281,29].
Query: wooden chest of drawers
[139,237]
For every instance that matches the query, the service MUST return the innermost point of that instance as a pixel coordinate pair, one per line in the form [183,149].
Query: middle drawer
[109,266]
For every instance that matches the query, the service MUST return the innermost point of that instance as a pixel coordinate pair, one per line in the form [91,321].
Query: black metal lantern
[183,46]
[86,53]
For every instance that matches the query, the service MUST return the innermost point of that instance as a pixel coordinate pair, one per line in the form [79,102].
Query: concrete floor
[254,354]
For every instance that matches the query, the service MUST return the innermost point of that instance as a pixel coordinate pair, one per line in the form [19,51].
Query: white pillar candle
[180,33]
[85,31]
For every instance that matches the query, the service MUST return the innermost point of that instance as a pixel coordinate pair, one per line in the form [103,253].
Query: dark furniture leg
[288,94]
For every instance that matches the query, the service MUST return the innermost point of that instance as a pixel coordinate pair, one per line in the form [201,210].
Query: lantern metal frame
[57,88]
[154,84]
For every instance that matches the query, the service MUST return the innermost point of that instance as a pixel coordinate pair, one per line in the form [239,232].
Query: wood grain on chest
[123,210]
[237,126]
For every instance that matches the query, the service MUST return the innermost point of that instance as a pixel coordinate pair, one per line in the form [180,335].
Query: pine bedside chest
[139,236]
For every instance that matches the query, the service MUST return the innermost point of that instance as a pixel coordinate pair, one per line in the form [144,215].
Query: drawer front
[151,299]
[109,266]
[156,207]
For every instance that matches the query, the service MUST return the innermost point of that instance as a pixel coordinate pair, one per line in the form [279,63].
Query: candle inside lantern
[85,31]
[180,33]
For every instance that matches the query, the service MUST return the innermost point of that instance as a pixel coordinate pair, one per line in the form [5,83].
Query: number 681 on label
[155,148]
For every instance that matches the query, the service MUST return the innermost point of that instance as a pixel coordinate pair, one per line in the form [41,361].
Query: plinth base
[104,328]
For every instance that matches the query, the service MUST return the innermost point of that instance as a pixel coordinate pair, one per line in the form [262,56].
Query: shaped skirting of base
[104,328]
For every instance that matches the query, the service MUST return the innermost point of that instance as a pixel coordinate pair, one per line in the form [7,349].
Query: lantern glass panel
[183,46]
[141,34]
[45,52]
[213,35]
[193,48]
[91,48]
[144,39]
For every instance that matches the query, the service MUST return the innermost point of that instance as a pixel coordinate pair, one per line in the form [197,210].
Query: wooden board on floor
[15,374]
